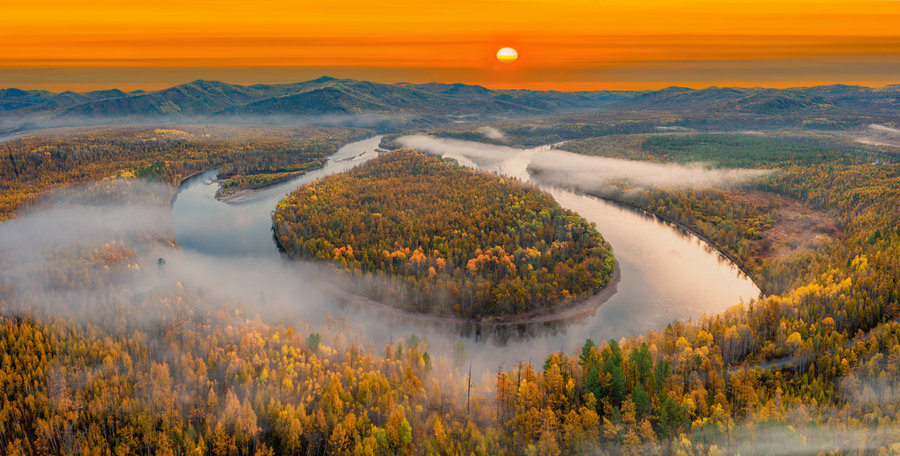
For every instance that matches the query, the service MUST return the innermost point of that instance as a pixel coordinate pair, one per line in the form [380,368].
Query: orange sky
[562,44]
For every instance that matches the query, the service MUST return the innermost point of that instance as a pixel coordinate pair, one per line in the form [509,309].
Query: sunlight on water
[666,273]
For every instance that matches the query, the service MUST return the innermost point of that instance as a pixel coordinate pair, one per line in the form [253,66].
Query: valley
[147,307]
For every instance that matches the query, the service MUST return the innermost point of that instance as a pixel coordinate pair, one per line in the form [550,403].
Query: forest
[244,156]
[750,224]
[729,150]
[813,368]
[463,243]
[598,125]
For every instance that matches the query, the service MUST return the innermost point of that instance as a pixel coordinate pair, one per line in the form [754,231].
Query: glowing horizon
[570,45]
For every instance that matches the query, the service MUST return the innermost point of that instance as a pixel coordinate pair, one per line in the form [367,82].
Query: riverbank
[662,276]
[580,309]
[234,186]
[686,229]
[238,194]
[583,308]
[401,216]
[793,228]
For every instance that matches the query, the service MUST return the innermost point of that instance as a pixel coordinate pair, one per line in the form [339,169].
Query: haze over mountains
[330,100]
[832,99]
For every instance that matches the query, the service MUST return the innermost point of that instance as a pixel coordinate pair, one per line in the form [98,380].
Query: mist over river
[666,273]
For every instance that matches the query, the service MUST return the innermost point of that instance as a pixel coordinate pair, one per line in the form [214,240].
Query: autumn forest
[118,336]
[465,244]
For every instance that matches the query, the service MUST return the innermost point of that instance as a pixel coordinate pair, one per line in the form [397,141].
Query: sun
[507,55]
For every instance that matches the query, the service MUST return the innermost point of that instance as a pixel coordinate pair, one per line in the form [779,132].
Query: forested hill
[335,99]
[453,241]
[833,99]
[392,106]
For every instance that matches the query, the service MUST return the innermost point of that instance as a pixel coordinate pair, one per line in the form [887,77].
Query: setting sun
[507,55]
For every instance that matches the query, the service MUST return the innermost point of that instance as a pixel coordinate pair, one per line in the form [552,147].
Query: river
[667,274]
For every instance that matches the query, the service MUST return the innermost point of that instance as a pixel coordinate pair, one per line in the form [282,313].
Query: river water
[666,273]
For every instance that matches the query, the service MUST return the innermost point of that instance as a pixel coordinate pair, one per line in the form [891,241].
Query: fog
[43,253]
[260,281]
[48,268]
[593,174]
[54,264]
[493,133]
[807,438]
[29,125]
[675,128]
[879,135]
[884,129]
[49,254]
[586,173]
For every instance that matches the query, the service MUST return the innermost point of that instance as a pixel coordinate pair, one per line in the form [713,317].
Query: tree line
[32,165]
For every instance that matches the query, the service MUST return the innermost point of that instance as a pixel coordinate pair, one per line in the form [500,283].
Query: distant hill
[884,100]
[727,99]
[328,99]
[326,96]
[834,99]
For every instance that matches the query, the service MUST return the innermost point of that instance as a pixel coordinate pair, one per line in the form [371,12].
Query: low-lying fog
[588,173]
[46,254]
[49,258]
[10,124]
[282,291]
[879,135]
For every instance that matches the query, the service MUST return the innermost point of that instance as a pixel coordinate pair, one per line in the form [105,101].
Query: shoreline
[184,180]
[685,228]
[583,307]
[249,191]
[691,231]
[578,309]
[237,194]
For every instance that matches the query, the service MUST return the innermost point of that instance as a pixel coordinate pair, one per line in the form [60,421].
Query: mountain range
[328,99]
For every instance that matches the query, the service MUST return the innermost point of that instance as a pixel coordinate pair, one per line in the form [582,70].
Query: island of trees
[813,368]
[447,240]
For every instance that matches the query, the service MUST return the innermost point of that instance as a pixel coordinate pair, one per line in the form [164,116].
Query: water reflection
[243,226]
[667,274]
